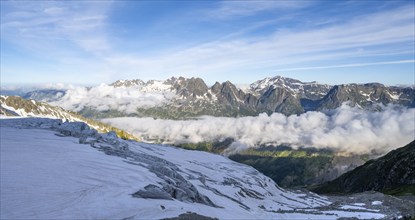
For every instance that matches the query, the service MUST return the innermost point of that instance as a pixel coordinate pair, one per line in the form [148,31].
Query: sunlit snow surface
[46,176]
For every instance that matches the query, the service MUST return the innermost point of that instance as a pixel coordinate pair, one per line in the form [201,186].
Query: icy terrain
[52,170]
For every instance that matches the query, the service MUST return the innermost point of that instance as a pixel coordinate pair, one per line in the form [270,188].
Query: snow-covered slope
[17,106]
[51,170]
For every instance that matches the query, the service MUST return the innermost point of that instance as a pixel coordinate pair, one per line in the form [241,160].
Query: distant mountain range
[190,97]
[393,173]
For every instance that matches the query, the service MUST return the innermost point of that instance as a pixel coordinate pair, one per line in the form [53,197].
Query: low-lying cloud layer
[345,129]
[105,97]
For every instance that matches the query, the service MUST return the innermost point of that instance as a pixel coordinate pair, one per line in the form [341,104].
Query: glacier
[65,170]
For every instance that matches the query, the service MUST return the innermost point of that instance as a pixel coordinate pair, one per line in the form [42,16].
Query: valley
[286,166]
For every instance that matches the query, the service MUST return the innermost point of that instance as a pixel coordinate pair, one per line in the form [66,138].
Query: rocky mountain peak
[190,87]
[127,83]
[228,93]
[366,95]
[310,90]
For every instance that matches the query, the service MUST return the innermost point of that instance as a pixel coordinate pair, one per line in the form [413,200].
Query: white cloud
[45,25]
[345,129]
[231,9]
[105,97]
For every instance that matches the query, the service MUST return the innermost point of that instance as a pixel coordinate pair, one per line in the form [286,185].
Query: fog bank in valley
[346,129]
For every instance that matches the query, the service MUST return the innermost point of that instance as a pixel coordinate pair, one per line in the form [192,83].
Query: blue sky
[86,42]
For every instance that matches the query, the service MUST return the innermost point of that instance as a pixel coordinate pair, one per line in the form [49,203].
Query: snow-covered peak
[294,86]
[246,88]
[269,81]
[140,85]
[156,86]
[127,83]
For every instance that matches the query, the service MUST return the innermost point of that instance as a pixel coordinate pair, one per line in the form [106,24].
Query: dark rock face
[152,192]
[390,172]
[190,88]
[228,94]
[279,100]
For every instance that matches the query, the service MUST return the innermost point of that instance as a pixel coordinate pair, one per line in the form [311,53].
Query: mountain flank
[17,106]
[393,173]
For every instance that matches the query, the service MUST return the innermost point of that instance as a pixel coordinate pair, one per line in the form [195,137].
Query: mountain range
[191,97]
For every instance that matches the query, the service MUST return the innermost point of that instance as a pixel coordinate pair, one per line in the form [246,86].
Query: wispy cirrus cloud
[366,35]
[232,9]
[53,25]
[83,38]
[348,65]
